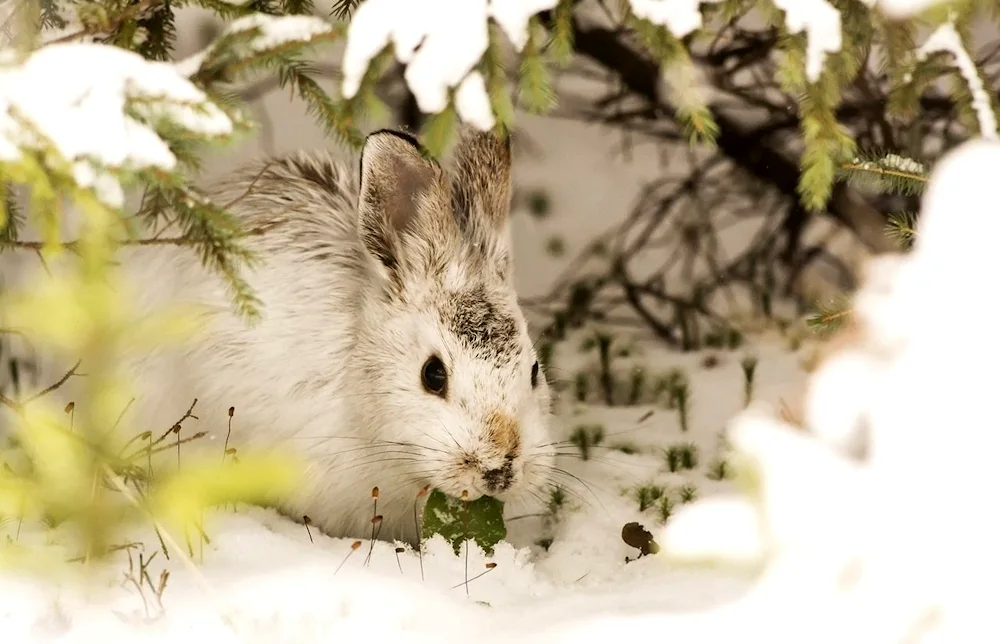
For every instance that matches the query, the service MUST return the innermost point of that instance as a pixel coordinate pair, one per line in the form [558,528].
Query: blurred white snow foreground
[902,545]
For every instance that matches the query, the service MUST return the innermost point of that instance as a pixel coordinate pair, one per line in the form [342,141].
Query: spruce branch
[885,174]
[830,316]
[536,94]
[105,28]
[342,9]
[902,227]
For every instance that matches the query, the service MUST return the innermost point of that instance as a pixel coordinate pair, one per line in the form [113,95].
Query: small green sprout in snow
[688,493]
[637,386]
[666,385]
[683,456]
[749,366]
[585,437]
[581,386]
[665,508]
[719,470]
[607,378]
[682,399]
[647,495]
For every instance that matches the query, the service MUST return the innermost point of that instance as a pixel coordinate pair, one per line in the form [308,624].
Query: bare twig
[18,406]
[183,240]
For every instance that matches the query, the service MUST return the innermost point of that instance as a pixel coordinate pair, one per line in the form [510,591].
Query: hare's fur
[362,279]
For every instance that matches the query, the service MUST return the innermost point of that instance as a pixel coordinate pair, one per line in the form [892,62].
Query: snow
[946,39]
[513,16]
[448,49]
[472,102]
[440,53]
[680,18]
[80,110]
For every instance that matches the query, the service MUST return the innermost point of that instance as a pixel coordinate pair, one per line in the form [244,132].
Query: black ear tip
[399,134]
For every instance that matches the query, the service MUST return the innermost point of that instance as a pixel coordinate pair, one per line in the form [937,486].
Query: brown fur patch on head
[484,325]
[504,433]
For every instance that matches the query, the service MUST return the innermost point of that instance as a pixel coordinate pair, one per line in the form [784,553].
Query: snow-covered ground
[274,579]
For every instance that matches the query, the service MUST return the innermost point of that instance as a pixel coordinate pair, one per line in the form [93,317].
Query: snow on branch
[904,8]
[946,39]
[442,41]
[258,34]
[821,23]
[99,108]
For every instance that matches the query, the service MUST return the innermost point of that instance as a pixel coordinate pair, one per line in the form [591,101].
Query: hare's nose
[499,479]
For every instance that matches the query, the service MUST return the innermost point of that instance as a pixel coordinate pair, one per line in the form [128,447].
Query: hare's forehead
[485,323]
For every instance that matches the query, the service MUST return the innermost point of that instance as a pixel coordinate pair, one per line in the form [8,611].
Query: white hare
[392,350]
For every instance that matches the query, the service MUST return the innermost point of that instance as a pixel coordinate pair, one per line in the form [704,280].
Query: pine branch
[885,174]
[298,7]
[536,93]
[831,316]
[560,45]
[112,26]
[342,9]
[11,217]
[902,227]
[214,233]
[438,130]
[495,75]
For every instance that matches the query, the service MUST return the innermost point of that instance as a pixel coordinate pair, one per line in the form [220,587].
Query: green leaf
[458,521]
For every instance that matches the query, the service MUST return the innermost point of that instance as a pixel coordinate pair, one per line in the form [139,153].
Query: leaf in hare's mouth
[459,520]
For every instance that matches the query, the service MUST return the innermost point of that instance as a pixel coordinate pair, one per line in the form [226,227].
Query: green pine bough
[876,172]
[459,521]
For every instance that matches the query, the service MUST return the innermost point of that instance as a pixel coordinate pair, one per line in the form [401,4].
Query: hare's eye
[534,375]
[435,376]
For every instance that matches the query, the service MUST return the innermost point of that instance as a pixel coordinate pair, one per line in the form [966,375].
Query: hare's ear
[398,182]
[481,191]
